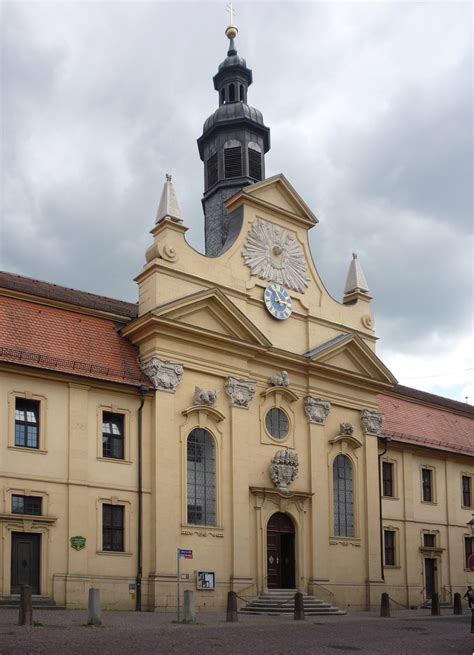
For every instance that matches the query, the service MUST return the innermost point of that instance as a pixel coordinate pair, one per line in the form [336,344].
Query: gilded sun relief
[272,253]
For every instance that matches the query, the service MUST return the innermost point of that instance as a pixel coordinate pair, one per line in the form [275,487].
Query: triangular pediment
[211,311]
[350,354]
[277,193]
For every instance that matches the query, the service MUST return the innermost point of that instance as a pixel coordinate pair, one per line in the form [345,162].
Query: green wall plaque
[78,543]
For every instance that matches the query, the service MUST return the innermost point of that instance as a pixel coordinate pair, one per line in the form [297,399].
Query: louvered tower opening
[233,162]
[212,170]
[255,164]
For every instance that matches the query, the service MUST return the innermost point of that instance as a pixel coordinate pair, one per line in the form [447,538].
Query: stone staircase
[281,602]
[39,602]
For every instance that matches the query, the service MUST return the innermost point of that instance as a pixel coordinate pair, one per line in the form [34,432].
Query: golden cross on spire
[232,12]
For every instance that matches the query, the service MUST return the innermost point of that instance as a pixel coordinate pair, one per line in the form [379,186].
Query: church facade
[236,413]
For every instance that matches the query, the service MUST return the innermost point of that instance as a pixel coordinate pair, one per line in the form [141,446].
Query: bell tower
[232,146]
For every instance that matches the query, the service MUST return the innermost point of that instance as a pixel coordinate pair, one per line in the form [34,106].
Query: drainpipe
[385,441]
[142,390]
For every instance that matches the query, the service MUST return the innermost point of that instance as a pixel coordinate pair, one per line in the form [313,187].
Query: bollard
[93,608]
[435,610]
[232,616]
[26,606]
[189,607]
[385,605]
[457,605]
[299,607]
[472,621]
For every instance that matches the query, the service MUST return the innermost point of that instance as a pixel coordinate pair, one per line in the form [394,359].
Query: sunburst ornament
[272,253]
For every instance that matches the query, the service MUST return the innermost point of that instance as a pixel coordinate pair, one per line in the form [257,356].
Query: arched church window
[232,158]
[242,93]
[222,96]
[343,494]
[255,161]
[232,92]
[201,478]
[211,166]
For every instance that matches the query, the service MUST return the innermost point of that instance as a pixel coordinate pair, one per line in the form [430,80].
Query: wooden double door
[280,552]
[430,577]
[26,555]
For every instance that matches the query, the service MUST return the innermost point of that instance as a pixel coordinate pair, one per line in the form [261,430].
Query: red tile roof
[410,421]
[67,341]
[71,296]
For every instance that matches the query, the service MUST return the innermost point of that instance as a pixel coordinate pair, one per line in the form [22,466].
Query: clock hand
[281,300]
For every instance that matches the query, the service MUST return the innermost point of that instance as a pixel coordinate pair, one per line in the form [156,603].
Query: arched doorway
[280,552]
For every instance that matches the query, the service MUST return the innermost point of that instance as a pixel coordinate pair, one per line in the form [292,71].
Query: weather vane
[232,12]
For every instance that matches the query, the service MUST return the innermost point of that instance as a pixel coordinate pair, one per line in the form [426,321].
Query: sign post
[181,553]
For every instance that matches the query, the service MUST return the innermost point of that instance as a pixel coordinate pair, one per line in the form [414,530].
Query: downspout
[385,441]
[142,390]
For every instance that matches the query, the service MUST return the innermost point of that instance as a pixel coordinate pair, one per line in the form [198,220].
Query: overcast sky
[370,110]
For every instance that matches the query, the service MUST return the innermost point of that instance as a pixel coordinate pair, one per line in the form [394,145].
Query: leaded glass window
[343,491]
[201,479]
[26,423]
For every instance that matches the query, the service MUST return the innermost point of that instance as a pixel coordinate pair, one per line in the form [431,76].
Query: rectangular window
[26,423]
[26,505]
[468,549]
[427,485]
[113,528]
[112,435]
[387,478]
[466,491]
[429,540]
[389,544]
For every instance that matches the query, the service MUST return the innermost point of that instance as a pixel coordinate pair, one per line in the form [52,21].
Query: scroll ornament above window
[284,469]
[164,375]
[273,254]
[316,409]
[240,392]
[371,422]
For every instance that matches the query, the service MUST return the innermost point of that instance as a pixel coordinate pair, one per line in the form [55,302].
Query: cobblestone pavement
[408,632]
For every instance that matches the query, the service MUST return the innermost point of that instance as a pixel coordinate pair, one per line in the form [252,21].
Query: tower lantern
[233,143]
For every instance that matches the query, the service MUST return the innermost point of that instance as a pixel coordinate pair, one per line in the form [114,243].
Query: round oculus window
[276,422]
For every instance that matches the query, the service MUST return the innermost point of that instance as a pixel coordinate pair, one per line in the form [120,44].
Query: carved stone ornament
[346,429]
[316,409]
[371,422]
[279,380]
[164,375]
[272,254]
[284,469]
[202,397]
[240,392]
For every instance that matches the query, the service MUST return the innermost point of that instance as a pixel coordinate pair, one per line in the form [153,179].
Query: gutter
[385,441]
[142,390]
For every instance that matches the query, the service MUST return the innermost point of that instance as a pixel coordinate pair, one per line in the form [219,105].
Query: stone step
[38,602]
[282,602]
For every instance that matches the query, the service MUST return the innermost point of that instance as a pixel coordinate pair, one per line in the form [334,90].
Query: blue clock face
[277,301]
